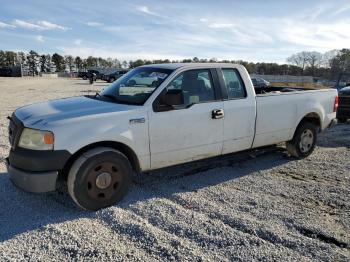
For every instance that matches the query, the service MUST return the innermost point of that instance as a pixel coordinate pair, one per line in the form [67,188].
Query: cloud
[220,25]
[145,9]
[26,25]
[341,10]
[78,42]
[4,25]
[40,38]
[113,29]
[40,25]
[93,24]
[50,26]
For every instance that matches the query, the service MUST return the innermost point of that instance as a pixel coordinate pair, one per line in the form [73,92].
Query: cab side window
[234,83]
[196,85]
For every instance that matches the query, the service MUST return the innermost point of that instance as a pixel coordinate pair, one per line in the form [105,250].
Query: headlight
[36,139]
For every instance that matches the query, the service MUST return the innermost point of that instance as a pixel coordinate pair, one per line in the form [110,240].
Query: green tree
[58,61]
[78,62]
[91,61]
[10,58]
[2,58]
[33,63]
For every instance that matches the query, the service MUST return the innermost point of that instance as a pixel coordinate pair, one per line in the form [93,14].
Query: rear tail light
[336,103]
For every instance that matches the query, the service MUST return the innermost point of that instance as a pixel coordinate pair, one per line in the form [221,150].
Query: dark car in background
[83,75]
[343,113]
[259,82]
[86,74]
[343,87]
[111,77]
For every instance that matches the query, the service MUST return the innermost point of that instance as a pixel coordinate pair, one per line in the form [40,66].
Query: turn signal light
[48,138]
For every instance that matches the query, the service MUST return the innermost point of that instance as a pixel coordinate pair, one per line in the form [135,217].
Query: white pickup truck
[194,111]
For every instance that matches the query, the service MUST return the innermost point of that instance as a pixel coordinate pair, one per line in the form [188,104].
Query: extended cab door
[240,109]
[193,130]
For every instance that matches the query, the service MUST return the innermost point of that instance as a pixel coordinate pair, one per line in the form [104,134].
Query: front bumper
[36,182]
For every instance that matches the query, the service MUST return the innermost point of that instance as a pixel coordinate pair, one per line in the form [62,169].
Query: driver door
[190,131]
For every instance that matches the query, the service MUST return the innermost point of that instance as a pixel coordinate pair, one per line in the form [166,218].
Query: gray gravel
[258,205]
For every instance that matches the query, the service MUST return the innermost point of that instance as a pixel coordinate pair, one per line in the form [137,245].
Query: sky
[250,30]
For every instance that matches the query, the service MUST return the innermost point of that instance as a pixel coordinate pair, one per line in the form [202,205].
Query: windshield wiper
[112,97]
[115,99]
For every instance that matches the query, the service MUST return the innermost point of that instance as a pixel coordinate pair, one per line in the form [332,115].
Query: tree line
[324,65]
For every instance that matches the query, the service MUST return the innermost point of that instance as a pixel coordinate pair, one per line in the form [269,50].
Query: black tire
[99,178]
[84,77]
[304,140]
[342,120]
[111,80]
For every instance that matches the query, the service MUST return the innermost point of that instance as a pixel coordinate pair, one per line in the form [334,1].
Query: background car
[111,77]
[83,75]
[259,82]
[343,112]
[86,75]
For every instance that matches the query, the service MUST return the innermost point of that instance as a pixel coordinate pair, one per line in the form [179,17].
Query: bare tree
[328,57]
[314,60]
[299,59]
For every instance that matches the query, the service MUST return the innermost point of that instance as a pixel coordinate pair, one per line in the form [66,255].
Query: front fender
[73,136]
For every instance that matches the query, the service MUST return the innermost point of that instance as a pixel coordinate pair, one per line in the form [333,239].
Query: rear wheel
[304,140]
[99,178]
[112,79]
[84,77]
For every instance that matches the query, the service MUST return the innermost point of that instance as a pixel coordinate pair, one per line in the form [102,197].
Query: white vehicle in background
[193,111]
[145,79]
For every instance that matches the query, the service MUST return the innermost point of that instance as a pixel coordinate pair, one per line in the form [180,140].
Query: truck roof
[174,66]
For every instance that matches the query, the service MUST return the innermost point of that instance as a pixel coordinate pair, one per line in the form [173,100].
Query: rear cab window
[233,83]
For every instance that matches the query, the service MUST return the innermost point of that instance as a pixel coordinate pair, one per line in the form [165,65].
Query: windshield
[136,86]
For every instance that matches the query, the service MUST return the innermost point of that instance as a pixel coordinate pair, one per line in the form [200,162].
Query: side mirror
[173,97]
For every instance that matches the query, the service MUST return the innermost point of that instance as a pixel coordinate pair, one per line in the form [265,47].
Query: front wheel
[99,178]
[304,141]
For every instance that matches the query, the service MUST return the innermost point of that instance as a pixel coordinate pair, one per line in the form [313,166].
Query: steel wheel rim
[306,141]
[103,181]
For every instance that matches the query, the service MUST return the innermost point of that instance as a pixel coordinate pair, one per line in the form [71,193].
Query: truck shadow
[22,212]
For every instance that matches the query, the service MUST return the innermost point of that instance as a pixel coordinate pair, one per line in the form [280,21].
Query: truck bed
[282,89]
[279,110]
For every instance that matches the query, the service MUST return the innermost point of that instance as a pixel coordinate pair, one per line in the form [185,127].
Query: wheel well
[127,151]
[312,118]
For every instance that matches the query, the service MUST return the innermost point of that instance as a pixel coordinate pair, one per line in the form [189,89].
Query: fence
[286,78]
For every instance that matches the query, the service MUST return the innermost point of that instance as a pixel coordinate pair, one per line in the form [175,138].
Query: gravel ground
[258,205]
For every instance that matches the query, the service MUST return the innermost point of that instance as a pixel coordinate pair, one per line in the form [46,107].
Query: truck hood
[67,108]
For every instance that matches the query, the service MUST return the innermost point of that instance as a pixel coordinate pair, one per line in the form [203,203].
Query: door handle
[217,113]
